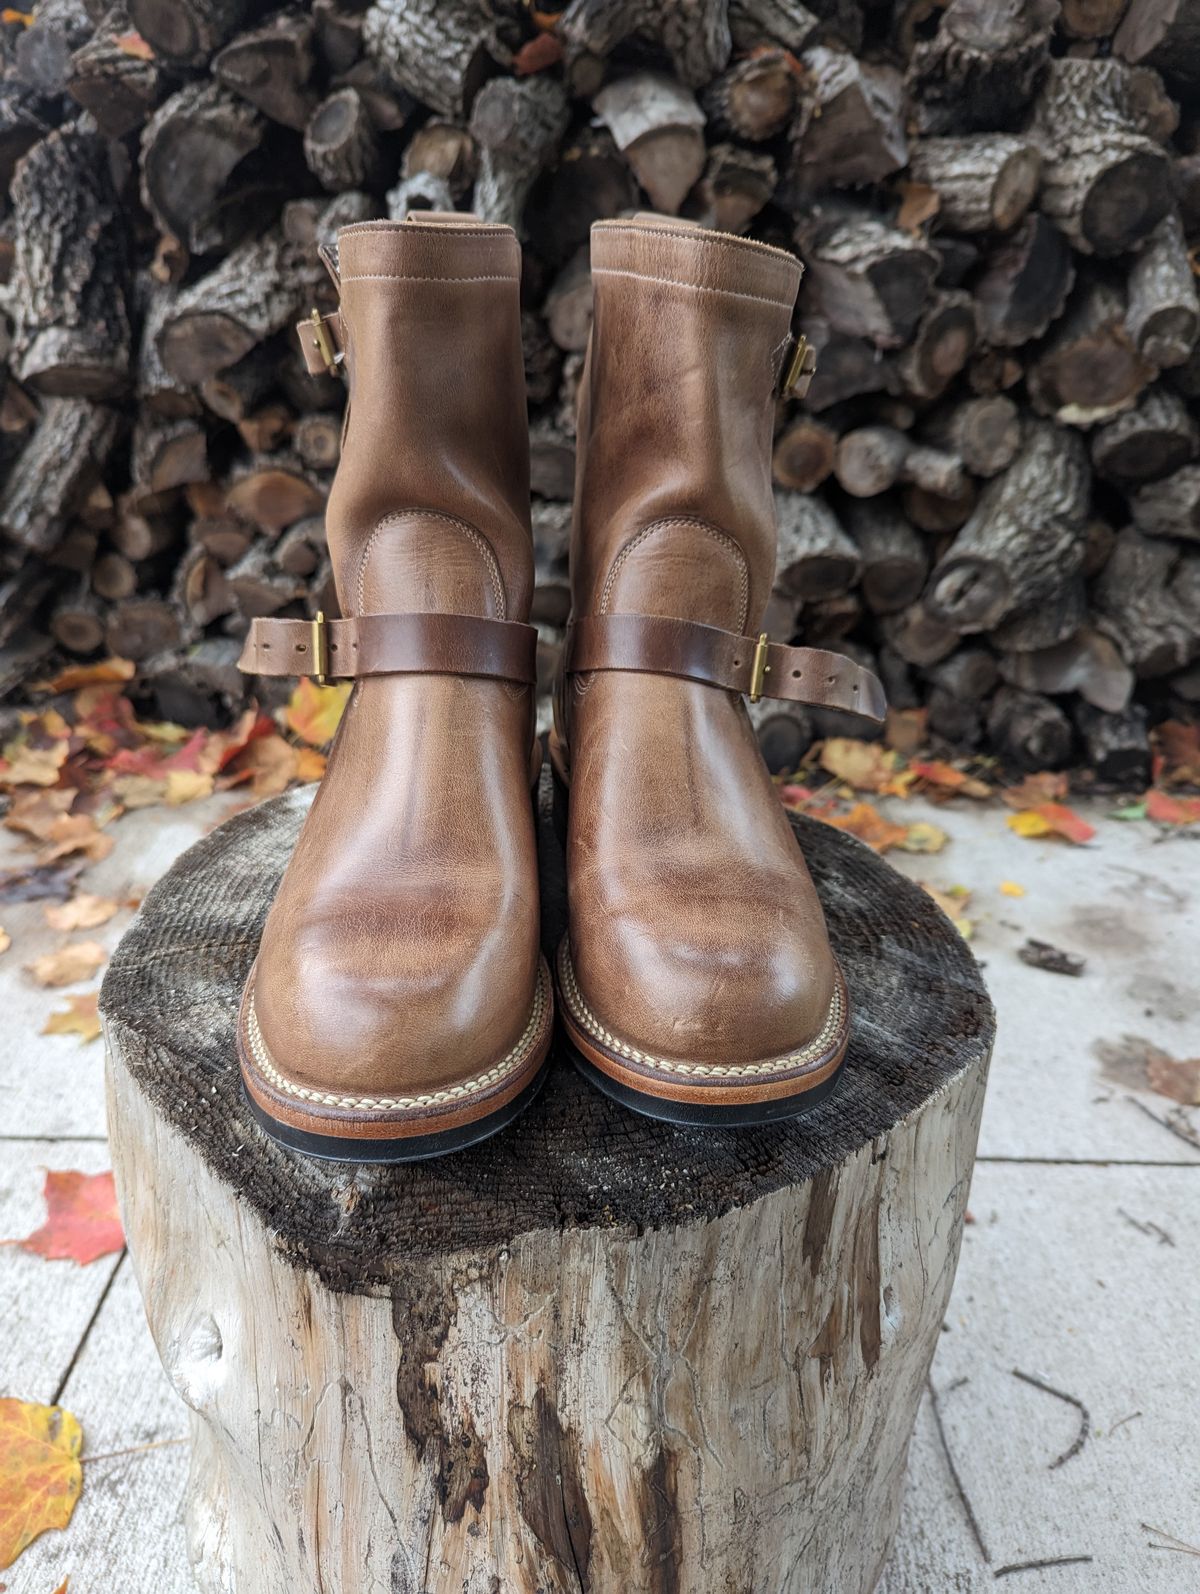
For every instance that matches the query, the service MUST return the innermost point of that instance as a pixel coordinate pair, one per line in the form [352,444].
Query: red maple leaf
[82,1221]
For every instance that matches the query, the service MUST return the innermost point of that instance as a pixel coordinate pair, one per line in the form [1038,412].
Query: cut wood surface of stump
[596,1353]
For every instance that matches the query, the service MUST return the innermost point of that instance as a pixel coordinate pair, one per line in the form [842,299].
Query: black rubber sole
[407,1148]
[697,1116]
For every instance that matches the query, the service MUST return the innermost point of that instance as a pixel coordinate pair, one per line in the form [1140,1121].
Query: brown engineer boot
[696,983]
[399,1006]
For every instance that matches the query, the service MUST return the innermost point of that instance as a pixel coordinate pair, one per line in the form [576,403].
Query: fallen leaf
[1042,955]
[1047,786]
[32,766]
[80,1017]
[867,766]
[919,203]
[5,940]
[24,19]
[40,1472]
[82,1222]
[102,673]
[536,54]
[185,786]
[165,731]
[269,764]
[35,883]
[69,964]
[224,746]
[1010,888]
[313,711]
[945,777]
[62,1587]
[869,825]
[84,912]
[1176,1078]
[1167,810]
[1052,819]
[133,44]
[924,837]
[35,813]
[139,791]
[953,902]
[1129,811]
[310,764]
[1177,751]
[75,833]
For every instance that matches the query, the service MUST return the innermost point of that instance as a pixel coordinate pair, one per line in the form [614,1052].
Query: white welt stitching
[583,1015]
[437,1098]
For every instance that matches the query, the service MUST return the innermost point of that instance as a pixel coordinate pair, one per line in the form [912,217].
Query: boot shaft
[674,512]
[430,506]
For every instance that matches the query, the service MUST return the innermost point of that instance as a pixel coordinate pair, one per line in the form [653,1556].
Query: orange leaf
[869,825]
[1065,822]
[310,765]
[82,1221]
[1048,786]
[80,1017]
[269,764]
[84,912]
[1168,810]
[133,44]
[73,833]
[536,54]
[313,711]
[101,673]
[69,964]
[10,14]
[947,778]
[36,812]
[1177,745]
[40,1472]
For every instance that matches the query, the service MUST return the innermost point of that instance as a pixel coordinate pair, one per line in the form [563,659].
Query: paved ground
[1079,1268]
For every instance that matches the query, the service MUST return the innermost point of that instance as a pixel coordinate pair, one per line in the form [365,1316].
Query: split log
[203,132]
[589,182]
[865,278]
[1088,663]
[340,143]
[917,636]
[186,31]
[517,125]
[259,586]
[828,622]
[25,117]
[71,333]
[200,589]
[168,454]
[42,50]
[759,24]
[1089,369]
[847,367]
[984,182]
[1045,624]
[338,34]
[693,33]
[443,149]
[236,390]
[272,66]
[871,459]
[815,559]
[941,345]
[968,675]
[317,439]
[422,191]
[982,66]
[114,577]
[1117,745]
[755,99]
[141,627]
[61,461]
[895,560]
[439,52]
[568,306]
[1090,19]
[1148,442]
[734,187]
[656,124]
[303,547]
[77,622]
[274,493]
[145,524]
[939,512]
[1030,731]
[1144,598]
[785,732]
[1170,507]
[804,455]
[551,461]
[1024,543]
[984,433]
[855,133]
[1164,311]
[1024,285]
[118,85]
[551,523]
[1105,182]
[477,1446]
[1164,34]
[159,394]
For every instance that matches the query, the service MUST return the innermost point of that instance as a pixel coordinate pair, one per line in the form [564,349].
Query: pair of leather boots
[399,1006]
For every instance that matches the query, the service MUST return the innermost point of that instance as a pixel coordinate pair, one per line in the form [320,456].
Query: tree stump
[596,1353]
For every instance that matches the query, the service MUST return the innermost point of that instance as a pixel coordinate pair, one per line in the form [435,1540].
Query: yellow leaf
[924,837]
[953,901]
[84,912]
[10,14]
[1010,888]
[79,1017]
[103,673]
[869,825]
[185,785]
[867,766]
[310,765]
[32,766]
[139,791]
[313,711]
[69,964]
[5,940]
[1028,824]
[164,731]
[40,1472]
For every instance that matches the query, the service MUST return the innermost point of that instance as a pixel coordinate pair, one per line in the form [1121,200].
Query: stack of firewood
[991,491]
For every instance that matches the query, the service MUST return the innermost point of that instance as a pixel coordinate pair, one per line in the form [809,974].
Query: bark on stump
[596,1353]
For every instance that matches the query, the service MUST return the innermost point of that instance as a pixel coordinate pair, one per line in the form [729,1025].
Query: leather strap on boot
[658,645]
[392,644]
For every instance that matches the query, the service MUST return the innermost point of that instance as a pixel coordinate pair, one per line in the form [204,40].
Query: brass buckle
[759,668]
[323,341]
[801,369]
[320,648]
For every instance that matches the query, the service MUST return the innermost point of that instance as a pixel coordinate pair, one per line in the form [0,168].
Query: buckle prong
[759,668]
[320,648]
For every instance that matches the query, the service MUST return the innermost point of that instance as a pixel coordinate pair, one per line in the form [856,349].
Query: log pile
[991,491]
